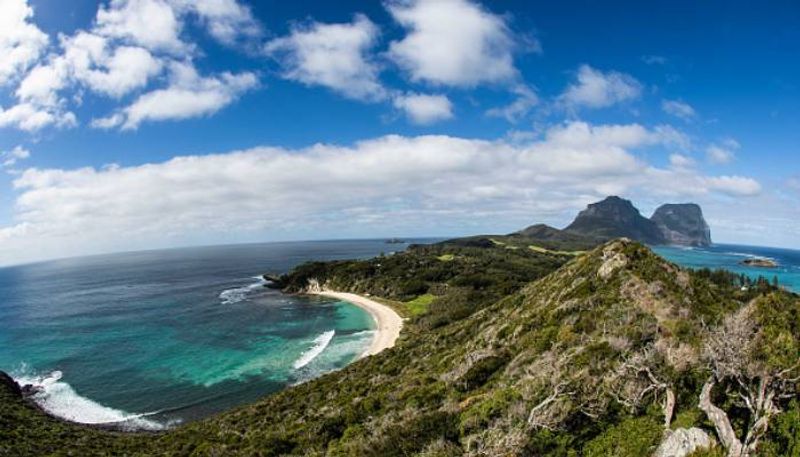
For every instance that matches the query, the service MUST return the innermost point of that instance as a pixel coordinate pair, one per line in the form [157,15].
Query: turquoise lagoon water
[151,339]
[730,256]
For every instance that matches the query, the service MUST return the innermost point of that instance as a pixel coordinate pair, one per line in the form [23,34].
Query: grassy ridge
[511,352]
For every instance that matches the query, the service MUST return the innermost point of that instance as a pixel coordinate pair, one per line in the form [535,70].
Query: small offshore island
[760,262]
[548,342]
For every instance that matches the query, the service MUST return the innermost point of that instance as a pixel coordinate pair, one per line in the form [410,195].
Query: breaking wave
[237,294]
[320,343]
[59,399]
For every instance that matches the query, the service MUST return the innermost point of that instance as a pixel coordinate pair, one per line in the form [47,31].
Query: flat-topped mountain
[616,217]
[683,224]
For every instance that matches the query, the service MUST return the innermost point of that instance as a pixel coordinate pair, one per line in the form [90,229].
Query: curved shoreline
[387,322]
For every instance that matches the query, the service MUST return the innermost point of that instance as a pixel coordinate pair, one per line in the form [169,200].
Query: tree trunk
[722,424]
[669,407]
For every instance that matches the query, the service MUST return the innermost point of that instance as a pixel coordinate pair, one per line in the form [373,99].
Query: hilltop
[511,351]
[614,217]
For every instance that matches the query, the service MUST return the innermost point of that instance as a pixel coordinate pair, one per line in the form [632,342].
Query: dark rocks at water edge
[8,382]
[759,262]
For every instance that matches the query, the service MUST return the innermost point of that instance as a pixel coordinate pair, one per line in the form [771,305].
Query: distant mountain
[682,224]
[616,217]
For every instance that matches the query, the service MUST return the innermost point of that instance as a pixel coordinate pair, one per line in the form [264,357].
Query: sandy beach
[387,322]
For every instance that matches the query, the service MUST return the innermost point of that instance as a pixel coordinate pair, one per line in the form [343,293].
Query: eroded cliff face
[682,224]
[616,217]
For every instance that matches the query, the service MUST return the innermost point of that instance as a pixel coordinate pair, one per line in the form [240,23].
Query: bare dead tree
[636,379]
[552,371]
[732,354]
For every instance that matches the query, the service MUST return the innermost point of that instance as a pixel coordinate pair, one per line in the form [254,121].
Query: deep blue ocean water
[161,337]
[730,256]
[156,338]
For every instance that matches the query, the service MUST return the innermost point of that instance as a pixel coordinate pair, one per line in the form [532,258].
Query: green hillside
[516,352]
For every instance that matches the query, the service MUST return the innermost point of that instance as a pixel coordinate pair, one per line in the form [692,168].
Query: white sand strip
[387,322]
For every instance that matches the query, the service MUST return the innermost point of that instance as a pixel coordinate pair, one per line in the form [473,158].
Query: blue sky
[154,123]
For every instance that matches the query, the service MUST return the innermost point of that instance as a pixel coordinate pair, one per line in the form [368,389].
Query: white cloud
[735,185]
[228,21]
[188,95]
[681,161]
[723,153]
[596,89]
[152,24]
[333,56]
[525,100]
[21,42]
[424,109]
[10,158]
[114,72]
[127,47]
[452,42]
[391,184]
[30,117]
[679,109]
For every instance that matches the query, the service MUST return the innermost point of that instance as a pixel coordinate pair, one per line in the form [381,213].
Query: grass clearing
[542,250]
[420,304]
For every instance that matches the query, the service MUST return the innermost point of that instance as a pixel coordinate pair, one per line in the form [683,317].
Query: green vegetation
[542,250]
[420,304]
[508,352]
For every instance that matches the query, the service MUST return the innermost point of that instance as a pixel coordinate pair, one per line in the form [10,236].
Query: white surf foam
[320,343]
[237,294]
[60,399]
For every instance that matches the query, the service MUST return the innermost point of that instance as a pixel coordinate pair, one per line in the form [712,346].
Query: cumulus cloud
[152,24]
[391,183]
[679,109]
[424,109]
[452,42]
[10,158]
[526,99]
[722,153]
[127,47]
[188,95]
[158,24]
[21,42]
[735,185]
[228,21]
[30,117]
[681,161]
[331,55]
[596,89]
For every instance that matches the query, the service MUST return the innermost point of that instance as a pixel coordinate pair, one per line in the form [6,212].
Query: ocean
[151,339]
[730,256]
[147,340]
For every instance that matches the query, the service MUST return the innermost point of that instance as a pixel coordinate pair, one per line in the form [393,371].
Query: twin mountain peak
[614,217]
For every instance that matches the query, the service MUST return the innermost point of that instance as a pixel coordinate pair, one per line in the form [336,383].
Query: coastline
[387,322]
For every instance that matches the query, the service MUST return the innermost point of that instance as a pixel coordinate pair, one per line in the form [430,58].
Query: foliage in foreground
[513,356]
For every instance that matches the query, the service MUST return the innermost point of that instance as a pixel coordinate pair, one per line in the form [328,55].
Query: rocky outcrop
[760,262]
[679,224]
[616,217]
[8,383]
[682,442]
[682,224]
